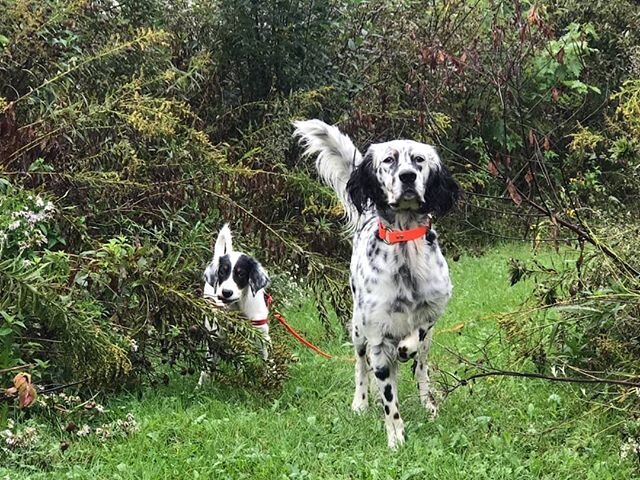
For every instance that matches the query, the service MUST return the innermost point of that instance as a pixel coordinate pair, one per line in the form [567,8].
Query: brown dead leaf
[513,193]
[534,15]
[529,177]
[493,170]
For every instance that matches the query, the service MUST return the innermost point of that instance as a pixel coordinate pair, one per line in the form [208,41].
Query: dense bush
[147,124]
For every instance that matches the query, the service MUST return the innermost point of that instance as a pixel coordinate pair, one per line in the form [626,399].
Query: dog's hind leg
[422,375]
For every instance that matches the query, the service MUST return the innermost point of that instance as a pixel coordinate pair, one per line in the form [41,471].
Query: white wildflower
[631,446]
[13,225]
[84,431]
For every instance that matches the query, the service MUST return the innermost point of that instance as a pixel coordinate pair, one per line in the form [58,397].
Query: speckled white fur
[399,290]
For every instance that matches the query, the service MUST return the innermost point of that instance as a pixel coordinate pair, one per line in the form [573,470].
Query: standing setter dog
[236,280]
[399,277]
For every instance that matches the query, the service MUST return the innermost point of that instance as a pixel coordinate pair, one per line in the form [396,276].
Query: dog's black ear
[363,187]
[258,278]
[441,192]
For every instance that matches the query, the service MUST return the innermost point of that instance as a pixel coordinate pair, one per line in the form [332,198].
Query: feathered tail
[337,157]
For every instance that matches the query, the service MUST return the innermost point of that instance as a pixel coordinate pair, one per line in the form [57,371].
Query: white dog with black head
[399,277]
[236,280]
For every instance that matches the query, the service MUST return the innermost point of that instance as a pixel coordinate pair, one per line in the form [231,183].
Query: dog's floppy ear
[223,242]
[441,191]
[258,278]
[363,187]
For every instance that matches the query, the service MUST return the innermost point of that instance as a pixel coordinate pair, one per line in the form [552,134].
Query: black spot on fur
[224,268]
[388,394]
[382,373]
[361,350]
[363,186]
[387,411]
[364,396]
[422,333]
[400,304]
[431,236]
[402,354]
[396,416]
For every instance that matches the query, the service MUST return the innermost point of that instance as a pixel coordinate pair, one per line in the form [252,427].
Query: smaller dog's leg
[267,343]
[204,378]
[385,371]
[360,400]
[422,376]
[211,358]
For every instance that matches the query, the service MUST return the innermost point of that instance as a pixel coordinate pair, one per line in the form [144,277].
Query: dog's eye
[388,160]
[418,159]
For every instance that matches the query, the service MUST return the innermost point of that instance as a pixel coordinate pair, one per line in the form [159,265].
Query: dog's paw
[204,378]
[359,405]
[404,354]
[395,438]
[429,403]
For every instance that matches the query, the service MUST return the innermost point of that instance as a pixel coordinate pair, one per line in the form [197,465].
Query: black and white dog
[399,277]
[236,280]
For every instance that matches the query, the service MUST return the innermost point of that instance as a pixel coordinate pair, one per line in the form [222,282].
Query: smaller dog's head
[402,176]
[231,273]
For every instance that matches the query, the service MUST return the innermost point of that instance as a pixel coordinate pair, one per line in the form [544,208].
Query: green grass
[500,428]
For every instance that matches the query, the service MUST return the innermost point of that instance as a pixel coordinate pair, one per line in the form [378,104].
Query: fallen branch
[62,387]
[19,367]
[509,373]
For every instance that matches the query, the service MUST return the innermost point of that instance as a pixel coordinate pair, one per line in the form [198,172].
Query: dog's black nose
[227,293]
[408,177]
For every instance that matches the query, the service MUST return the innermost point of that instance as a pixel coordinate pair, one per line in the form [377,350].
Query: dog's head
[231,273]
[402,176]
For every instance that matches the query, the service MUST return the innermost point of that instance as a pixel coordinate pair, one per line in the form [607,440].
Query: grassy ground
[502,428]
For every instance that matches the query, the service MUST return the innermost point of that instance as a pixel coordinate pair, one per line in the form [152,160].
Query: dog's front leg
[385,371]
[265,342]
[360,401]
[211,359]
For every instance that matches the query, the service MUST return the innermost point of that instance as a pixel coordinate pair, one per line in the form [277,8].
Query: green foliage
[148,124]
[493,429]
[588,309]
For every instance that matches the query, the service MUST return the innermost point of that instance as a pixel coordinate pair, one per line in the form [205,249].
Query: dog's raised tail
[336,158]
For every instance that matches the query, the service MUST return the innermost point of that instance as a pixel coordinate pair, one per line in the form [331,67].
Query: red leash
[278,316]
